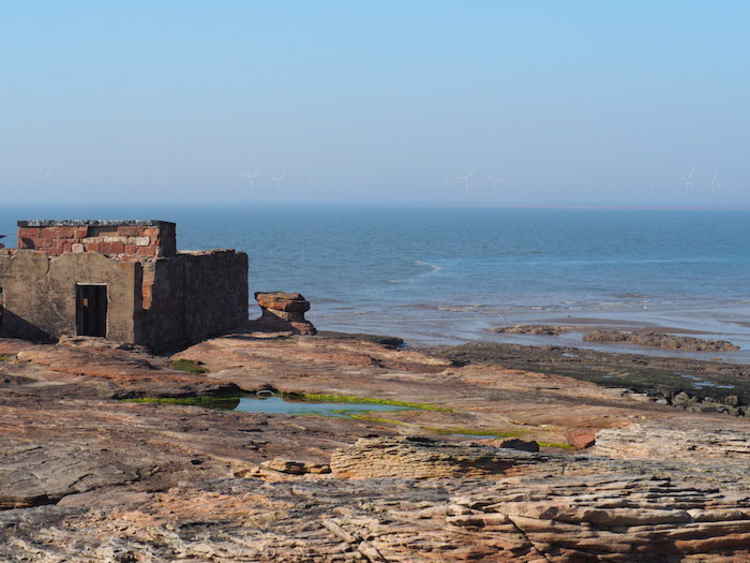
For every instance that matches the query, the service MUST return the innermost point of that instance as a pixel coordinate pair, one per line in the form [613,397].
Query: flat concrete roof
[93,223]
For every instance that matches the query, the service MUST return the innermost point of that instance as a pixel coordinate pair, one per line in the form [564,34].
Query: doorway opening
[91,310]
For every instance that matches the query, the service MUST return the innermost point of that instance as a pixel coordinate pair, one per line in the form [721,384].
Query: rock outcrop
[282,312]
[608,516]
[551,508]
[420,458]
[662,340]
[660,441]
[535,330]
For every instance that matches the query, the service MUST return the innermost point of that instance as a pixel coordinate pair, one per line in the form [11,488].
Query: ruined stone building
[121,280]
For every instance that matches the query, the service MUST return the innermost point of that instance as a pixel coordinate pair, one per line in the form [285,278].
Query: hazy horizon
[552,105]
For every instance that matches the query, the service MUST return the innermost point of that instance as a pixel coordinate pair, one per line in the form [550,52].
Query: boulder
[283,312]
[518,444]
[581,438]
[283,301]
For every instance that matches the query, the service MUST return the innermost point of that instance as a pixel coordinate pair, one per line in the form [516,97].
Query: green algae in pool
[277,405]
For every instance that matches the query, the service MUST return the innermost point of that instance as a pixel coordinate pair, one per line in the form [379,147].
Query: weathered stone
[420,458]
[605,516]
[94,235]
[282,301]
[295,467]
[653,440]
[281,312]
[581,438]
[34,474]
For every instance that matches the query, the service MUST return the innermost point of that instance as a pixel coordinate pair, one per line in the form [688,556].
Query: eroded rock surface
[554,509]
[283,311]
[85,477]
[419,458]
[668,442]
[657,377]
[662,340]
[606,517]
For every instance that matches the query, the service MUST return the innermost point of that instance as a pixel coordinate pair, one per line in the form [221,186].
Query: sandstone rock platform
[85,476]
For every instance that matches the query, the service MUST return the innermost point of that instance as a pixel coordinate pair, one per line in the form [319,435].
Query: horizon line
[390,204]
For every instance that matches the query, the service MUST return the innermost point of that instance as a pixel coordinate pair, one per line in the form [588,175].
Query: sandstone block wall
[134,238]
[192,296]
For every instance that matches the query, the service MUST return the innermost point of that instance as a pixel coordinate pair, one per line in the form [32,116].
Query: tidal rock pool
[278,405]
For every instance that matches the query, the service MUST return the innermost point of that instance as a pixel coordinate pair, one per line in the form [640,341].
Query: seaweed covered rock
[661,340]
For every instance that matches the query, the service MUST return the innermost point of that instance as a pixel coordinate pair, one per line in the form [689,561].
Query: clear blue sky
[642,103]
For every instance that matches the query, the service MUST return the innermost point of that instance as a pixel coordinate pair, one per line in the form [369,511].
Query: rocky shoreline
[694,385]
[657,339]
[620,473]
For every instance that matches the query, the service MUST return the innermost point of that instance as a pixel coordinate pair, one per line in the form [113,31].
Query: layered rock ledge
[283,311]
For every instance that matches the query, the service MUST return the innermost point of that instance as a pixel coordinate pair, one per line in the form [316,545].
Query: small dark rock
[523,445]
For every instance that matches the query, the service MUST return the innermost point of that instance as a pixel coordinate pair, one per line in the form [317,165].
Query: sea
[448,275]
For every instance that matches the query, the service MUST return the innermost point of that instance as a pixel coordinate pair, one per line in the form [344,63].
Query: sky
[483,102]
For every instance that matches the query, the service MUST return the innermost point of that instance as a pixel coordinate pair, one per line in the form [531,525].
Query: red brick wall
[112,240]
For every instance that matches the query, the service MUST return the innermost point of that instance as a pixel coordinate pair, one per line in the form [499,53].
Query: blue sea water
[444,275]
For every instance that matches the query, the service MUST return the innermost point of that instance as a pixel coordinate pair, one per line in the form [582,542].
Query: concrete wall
[40,297]
[133,238]
[191,297]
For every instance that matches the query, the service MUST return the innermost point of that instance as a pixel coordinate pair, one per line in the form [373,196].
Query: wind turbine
[715,183]
[688,182]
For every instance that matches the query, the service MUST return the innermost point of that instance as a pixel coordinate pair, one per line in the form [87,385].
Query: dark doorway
[91,310]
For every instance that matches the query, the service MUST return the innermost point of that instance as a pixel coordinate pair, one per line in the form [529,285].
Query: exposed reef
[661,340]
[536,330]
